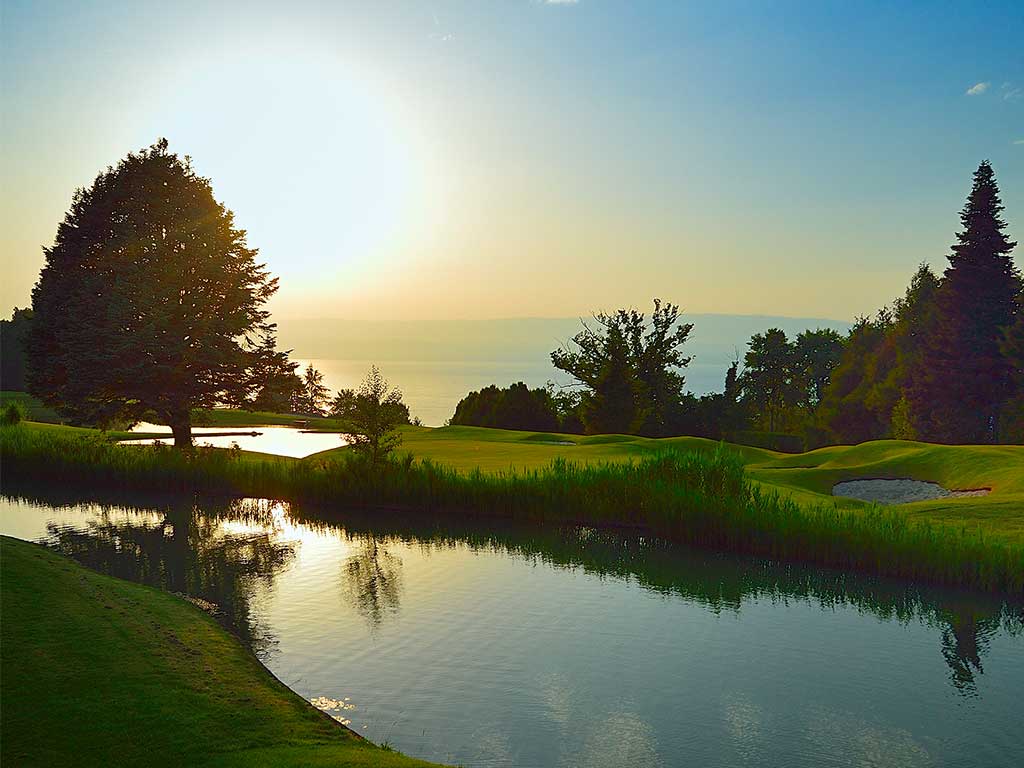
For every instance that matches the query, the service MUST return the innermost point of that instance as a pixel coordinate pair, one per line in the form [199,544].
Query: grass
[99,671]
[806,478]
[685,489]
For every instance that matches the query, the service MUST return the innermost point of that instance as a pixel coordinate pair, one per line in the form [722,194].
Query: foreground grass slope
[99,671]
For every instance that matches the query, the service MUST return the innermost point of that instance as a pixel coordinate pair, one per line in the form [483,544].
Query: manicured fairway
[808,477]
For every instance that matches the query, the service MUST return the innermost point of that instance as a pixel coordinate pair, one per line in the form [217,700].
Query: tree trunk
[180,423]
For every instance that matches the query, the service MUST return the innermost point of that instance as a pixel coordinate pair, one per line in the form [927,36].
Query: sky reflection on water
[502,645]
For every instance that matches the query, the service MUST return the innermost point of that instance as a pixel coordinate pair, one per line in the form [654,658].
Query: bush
[13,413]
[515,407]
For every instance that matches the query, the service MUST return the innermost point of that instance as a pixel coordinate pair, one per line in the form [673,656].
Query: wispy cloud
[438,34]
[977,89]
[1019,141]
[560,2]
[1012,92]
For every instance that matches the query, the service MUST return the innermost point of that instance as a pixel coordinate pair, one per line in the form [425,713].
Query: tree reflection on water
[185,548]
[372,580]
[226,552]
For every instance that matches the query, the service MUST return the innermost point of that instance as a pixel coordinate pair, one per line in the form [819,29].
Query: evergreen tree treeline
[943,363]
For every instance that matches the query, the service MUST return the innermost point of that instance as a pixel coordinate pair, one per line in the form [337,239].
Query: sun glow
[310,139]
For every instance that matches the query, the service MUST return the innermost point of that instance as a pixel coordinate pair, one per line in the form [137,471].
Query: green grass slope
[807,477]
[810,476]
[99,671]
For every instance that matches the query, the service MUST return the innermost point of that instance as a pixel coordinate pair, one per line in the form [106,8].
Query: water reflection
[966,620]
[966,633]
[372,580]
[225,552]
[220,554]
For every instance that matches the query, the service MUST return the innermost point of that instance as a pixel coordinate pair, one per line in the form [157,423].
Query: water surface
[501,645]
[278,440]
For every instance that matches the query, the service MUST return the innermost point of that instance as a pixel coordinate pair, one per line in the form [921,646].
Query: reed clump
[699,498]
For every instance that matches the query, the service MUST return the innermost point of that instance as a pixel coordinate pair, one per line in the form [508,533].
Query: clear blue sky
[526,158]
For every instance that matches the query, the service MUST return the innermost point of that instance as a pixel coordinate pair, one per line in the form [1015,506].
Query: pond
[502,645]
[283,441]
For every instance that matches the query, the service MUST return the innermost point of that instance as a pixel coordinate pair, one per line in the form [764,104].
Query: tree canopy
[13,337]
[373,412]
[630,369]
[513,407]
[150,300]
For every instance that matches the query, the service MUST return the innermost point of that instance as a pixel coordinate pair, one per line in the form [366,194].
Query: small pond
[283,441]
[501,645]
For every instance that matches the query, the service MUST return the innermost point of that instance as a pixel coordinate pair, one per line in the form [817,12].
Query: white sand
[900,491]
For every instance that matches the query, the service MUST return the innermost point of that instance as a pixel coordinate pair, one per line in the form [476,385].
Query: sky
[469,160]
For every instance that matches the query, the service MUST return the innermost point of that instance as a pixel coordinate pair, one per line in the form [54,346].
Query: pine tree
[964,379]
[315,396]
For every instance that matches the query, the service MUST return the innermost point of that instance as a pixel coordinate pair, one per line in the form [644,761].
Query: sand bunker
[898,491]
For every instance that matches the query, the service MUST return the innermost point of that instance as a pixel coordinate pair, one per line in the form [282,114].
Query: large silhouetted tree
[613,404]
[1012,347]
[149,300]
[965,378]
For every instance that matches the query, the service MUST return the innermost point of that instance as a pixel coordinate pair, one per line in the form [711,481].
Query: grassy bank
[701,497]
[99,671]
[806,477]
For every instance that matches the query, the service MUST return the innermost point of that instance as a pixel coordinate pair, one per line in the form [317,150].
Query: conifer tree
[964,378]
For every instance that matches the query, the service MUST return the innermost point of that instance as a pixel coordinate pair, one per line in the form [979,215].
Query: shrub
[12,413]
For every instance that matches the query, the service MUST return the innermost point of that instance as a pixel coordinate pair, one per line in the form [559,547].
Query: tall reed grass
[702,499]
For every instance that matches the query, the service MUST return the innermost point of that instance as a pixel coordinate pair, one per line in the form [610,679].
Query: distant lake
[433,389]
[437,362]
[490,644]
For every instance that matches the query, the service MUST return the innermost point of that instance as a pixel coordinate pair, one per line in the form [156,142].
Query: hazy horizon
[437,362]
